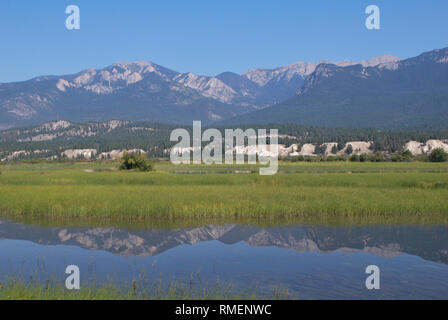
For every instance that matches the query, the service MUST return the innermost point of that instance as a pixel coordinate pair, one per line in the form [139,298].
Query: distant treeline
[155,138]
[384,140]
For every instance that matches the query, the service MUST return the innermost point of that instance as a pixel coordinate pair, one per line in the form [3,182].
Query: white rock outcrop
[359,147]
[307,150]
[329,147]
[118,154]
[418,148]
[415,147]
[79,153]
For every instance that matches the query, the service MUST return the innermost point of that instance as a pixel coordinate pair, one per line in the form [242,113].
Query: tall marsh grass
[18,289]
[417,191]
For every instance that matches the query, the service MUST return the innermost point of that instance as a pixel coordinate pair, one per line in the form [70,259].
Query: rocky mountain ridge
[146,91]
[393,94]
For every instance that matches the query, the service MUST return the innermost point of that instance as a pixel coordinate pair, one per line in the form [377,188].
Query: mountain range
[381,92]
[405,93]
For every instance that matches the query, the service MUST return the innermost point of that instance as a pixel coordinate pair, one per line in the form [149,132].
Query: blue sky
[210,36]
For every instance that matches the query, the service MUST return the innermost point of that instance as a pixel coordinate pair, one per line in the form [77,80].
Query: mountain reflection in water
[312,262]
[427,242]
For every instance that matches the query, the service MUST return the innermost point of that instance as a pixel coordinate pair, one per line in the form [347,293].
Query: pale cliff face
[418,148]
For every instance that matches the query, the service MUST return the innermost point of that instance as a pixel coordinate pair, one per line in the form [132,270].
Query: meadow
[337,192]
[18,289]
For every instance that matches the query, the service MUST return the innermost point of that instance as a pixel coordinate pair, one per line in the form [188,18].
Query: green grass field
[414,192]
[50,290]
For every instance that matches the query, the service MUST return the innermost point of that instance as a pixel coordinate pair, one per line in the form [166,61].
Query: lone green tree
[320,149]
[349,149]
[335,149]
[438,155]
[135,162]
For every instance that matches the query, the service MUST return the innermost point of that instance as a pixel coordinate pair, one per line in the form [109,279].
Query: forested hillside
[51,139]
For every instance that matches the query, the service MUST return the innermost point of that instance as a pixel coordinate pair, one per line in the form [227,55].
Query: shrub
[377,157]
[320,149]
[363,157]
[354,158]
[135,162]
[438,155]
[335,149]
[404,156]
[349,149]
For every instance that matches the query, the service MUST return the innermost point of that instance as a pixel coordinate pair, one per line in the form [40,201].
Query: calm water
[311,261]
